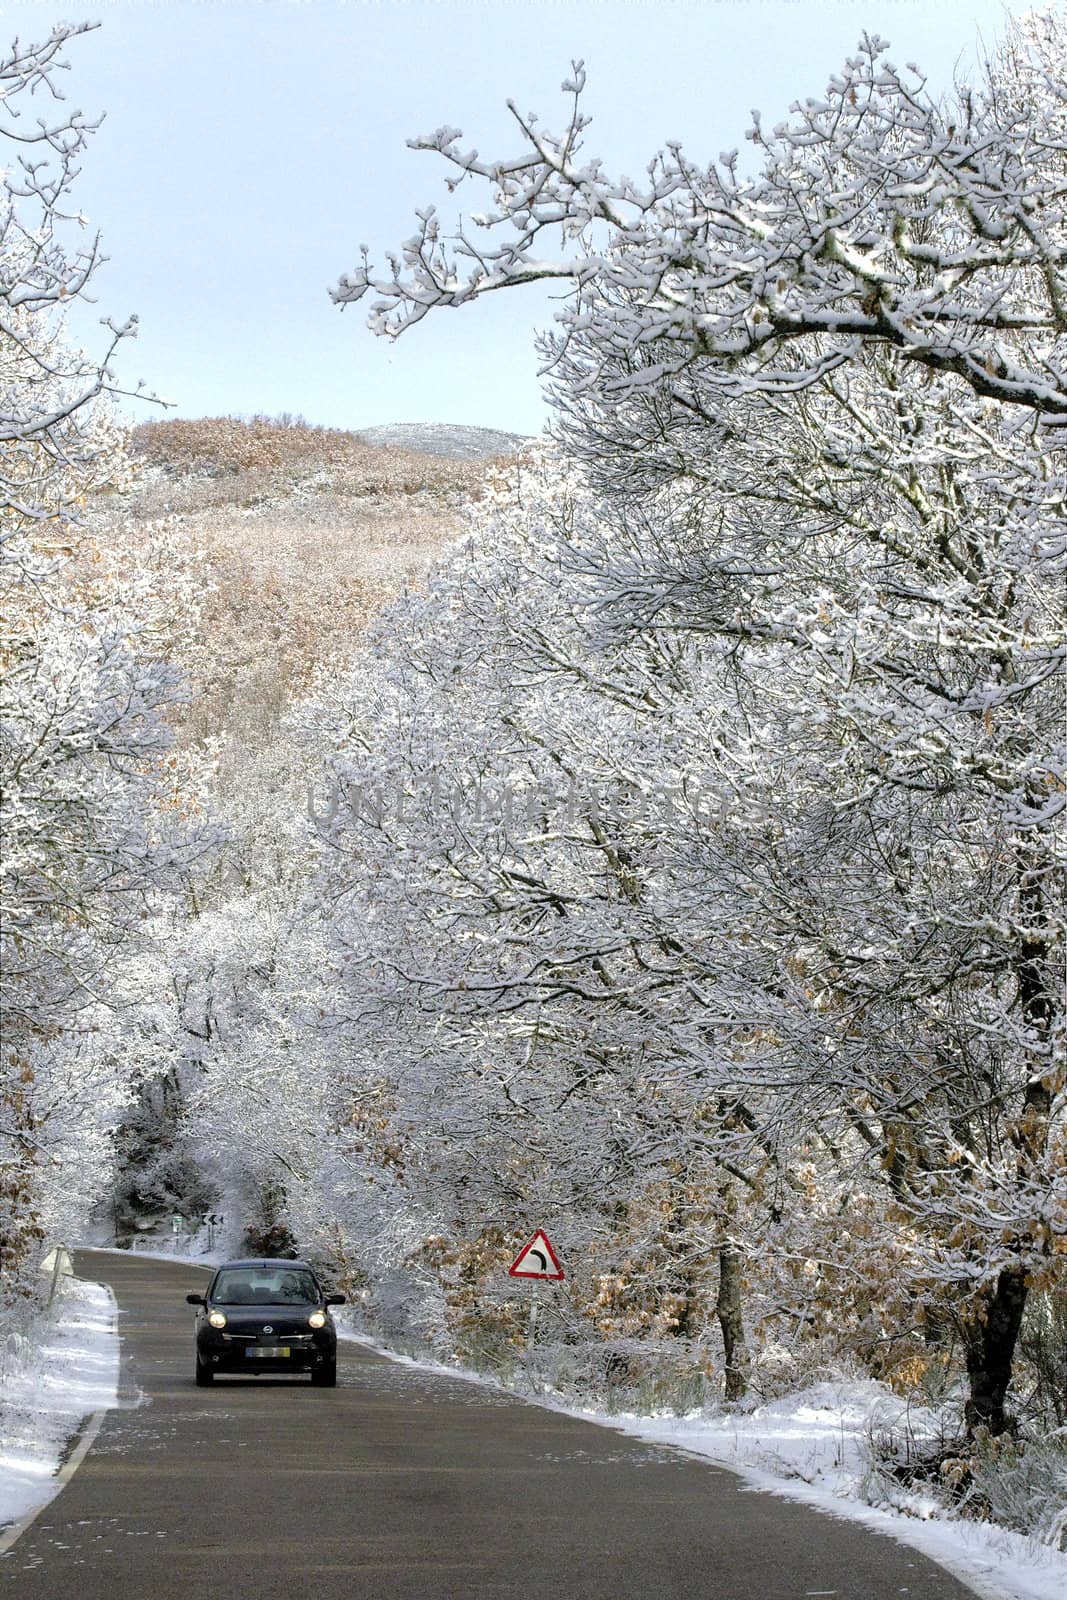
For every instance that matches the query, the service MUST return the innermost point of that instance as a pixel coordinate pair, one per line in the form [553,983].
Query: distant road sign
[58,1262]
[537,1259]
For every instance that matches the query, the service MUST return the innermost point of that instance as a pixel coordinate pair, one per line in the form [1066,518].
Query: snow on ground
[808,1447]
[445,439]
[48,1387]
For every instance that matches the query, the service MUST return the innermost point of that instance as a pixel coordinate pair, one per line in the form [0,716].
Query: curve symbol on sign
[537,1259]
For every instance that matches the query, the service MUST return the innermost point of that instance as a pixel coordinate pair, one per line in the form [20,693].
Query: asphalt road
[404,1484]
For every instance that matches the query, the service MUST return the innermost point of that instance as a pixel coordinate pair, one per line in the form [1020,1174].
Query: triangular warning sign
[536,1259]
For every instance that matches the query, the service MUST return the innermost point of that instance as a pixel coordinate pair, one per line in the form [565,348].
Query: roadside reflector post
[59,1264]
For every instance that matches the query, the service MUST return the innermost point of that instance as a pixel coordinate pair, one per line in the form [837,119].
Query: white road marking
[61,1479]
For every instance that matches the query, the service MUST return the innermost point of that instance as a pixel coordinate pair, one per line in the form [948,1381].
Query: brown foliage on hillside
[304,533]
[279,451]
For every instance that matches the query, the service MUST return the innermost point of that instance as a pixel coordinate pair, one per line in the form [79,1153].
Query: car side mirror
[196,1299]
[336,1299]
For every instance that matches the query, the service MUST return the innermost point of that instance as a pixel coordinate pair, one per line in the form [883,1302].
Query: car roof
[263,1261]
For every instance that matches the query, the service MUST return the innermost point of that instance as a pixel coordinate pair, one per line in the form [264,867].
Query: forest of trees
[681,862]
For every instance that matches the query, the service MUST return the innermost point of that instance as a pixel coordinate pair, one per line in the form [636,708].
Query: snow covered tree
[89,792]
[54,438]
[879,216]
[821,403]
[513,935]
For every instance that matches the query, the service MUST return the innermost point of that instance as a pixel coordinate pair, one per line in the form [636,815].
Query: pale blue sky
[250,147]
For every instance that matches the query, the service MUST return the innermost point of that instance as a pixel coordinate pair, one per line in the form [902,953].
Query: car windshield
[264,1286]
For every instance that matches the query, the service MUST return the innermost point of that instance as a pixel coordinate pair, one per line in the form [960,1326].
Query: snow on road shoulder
[70,1371]
[808,1447]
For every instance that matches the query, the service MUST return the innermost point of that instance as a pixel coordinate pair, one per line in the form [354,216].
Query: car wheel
[204,1375]
[326,1375]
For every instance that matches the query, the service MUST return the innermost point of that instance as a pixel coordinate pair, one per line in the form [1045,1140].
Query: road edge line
[85,1434]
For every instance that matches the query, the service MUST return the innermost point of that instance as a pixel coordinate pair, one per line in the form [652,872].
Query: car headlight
[216,1319]
[317,1319]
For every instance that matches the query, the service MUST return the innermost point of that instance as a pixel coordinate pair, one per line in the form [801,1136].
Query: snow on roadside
[808,1447]
[69,1371]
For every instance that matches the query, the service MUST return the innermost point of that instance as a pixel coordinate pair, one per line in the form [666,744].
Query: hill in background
[305,533]
[446,439]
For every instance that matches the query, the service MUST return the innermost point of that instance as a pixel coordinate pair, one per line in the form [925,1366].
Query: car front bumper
[246,1352]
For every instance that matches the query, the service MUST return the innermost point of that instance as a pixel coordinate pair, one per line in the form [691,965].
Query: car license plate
[267,1350]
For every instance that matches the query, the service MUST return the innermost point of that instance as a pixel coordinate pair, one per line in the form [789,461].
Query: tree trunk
[728,1311]
[990,1343]
[990,1346]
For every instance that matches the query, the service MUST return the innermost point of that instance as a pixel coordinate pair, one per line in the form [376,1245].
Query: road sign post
[536,1261]
[531,1335]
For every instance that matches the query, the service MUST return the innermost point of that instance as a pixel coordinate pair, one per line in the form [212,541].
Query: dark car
[266,1316]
